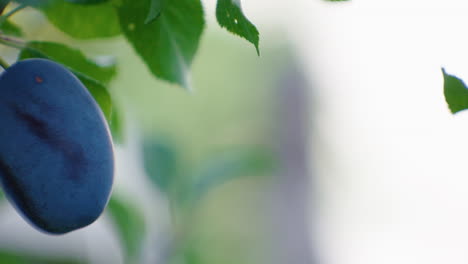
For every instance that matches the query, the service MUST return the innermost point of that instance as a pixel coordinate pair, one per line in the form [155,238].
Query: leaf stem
[4,64]
[12,42]
[4,17]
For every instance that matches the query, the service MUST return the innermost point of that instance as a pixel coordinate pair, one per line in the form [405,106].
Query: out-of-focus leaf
[79,65]
[20,258]
[168,44]
[160,161]
[83,21]
[99,93]
[10,28]
[130,226]
[117,126]
[192,255]
[225,167]
[11,258]
[35,3]
[230,16]
[155,10]
[72,58]
[41,260]
[456,93]
[3,4]
[87,2]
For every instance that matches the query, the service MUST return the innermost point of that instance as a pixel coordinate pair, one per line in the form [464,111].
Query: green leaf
[87,2]
[35,3]
[169,43]
[230,16]
[51,260]
[83,21]
[99,93]
[155,10]
[117,126]
[77,63]
[10,258]
[225,167]
[21,258]
[9,28]
[130,226]
[456,93]
[160,162]
[3,4]
[74,59]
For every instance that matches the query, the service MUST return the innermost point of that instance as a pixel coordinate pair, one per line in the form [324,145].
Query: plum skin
[56,153]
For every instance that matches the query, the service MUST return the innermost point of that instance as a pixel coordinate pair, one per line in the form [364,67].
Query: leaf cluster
[165,34]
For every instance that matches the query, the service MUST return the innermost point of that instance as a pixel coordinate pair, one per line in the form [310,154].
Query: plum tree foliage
[59,119]
[58,171]
[71,89]
[73,147]
[165,34]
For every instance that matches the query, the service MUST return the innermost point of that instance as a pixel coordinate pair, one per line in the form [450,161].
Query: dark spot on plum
[45,108]
[37,126]
[38,79]
[74,154]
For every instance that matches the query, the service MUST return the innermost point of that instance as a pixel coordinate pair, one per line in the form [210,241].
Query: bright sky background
[392,178]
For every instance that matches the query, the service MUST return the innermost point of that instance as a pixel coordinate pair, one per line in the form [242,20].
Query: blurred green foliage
[130,226]
[223,167]
[21,258]
[160,161]
[204,150]
[11,28]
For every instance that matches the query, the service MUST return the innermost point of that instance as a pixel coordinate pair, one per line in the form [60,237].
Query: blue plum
[56,153]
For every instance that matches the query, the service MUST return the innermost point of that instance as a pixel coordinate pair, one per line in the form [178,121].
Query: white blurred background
[391,180]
